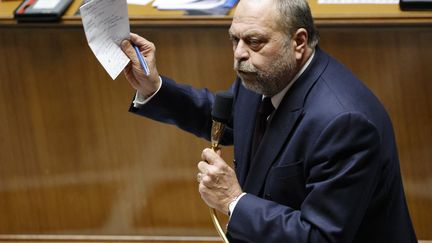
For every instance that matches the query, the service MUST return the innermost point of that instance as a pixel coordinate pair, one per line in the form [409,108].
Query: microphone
[221,113]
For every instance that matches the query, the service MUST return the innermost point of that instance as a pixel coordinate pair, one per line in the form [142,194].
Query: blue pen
[142,60]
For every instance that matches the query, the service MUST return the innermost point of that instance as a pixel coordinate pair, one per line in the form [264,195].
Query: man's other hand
[144,84]
[218,184]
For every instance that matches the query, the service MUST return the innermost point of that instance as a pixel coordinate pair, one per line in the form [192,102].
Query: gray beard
[267,82]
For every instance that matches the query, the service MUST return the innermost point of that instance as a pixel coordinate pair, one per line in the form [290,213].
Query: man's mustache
[244,66]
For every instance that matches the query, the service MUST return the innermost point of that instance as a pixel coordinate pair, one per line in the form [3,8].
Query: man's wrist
[141,99]
[233,203]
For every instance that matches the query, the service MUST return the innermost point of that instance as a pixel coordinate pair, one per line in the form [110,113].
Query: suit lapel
[277,133]
[247,105]
[283,122]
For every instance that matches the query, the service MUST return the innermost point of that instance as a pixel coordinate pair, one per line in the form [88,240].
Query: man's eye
[253,43]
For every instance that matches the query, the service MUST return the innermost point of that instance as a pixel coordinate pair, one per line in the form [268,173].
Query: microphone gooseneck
[221,113]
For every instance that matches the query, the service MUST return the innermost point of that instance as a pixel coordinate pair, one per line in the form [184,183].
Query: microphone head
[222,106]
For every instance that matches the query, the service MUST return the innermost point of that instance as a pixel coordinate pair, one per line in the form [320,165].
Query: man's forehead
[255,3]
[255,13]
[255,8]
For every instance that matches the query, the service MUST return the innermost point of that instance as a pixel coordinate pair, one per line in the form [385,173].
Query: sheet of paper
[358,1]
[174,2]
[45,4]
[203,4]
[139,2]
[106,24]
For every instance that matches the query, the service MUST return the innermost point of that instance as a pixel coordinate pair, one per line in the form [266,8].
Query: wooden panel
[324,14]
[122,239]
[105,238]
[74,161]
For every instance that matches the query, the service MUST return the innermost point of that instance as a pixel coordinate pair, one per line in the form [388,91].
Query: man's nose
[241,51]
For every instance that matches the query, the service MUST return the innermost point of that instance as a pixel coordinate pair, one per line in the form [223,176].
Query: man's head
[272,39]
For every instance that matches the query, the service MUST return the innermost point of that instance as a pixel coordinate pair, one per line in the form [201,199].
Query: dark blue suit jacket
[327,169]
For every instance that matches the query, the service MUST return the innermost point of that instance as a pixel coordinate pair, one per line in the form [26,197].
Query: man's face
[263,57]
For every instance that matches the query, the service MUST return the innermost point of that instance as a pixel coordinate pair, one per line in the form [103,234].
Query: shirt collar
[277,98]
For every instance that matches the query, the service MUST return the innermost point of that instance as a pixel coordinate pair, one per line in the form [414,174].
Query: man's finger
[127,48]
[138,40]
[130,77]
[144,45]
[203,167]
[211,157]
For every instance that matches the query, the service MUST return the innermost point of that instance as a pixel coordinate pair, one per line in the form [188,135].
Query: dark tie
[264,111]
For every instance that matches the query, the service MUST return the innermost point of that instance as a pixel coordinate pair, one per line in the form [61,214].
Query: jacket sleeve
[186,107]
[341,171]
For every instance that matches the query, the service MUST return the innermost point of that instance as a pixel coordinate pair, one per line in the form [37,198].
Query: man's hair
[295,14]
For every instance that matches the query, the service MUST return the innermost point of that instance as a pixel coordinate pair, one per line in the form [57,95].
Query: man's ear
[300,39]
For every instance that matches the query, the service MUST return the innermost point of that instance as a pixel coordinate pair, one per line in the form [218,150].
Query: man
[326,168]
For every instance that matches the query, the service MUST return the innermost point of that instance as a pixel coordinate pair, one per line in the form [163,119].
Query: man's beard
[270,81]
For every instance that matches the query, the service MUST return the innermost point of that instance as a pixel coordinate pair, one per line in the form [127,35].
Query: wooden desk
[324,15]
[74,163]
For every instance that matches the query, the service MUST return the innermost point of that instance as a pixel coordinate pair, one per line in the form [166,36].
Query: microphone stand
[217,131]
[221,113]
